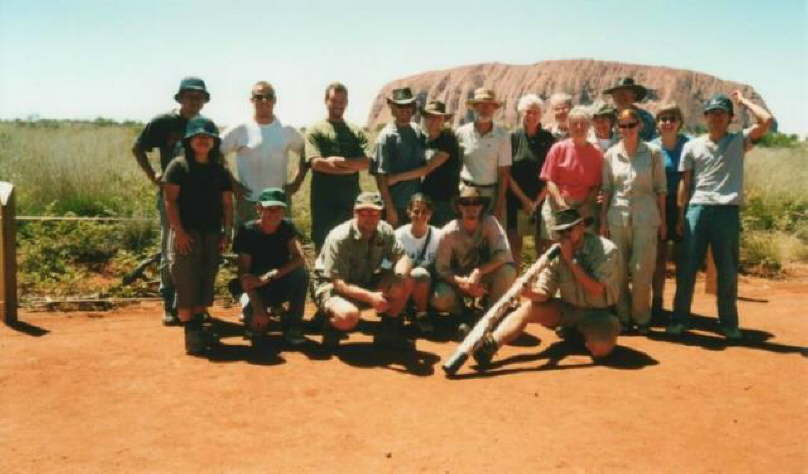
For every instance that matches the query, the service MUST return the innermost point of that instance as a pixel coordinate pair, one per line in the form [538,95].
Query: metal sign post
[8,254]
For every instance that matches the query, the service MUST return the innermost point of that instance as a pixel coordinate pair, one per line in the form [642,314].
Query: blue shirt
[400,149]
[648,131]
[672,173]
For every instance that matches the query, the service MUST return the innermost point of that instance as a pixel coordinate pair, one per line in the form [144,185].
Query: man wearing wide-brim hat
[486,150]
[441,172]
[473,259]
[625,94]
[710,197]
[165,132]
[399,151]
[588,274]
[362,265]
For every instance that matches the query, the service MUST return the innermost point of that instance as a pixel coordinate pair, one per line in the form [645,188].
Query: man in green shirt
[335,150]
[361,265]
[588,275]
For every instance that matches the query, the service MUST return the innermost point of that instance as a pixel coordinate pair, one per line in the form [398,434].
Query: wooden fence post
[8,254]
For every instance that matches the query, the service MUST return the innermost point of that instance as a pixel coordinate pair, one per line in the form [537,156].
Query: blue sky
[90,58]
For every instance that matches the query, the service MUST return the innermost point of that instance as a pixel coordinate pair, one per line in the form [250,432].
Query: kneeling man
[361,265]
[271,268]
[588,275]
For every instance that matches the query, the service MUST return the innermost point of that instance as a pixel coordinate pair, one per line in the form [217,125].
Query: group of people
[608,188]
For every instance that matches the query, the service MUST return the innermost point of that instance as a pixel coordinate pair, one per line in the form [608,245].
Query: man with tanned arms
[165,133]
[335,151]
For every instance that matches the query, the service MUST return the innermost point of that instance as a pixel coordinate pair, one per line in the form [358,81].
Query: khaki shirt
[600,259]
[349,257]
[634,184]
[460,252]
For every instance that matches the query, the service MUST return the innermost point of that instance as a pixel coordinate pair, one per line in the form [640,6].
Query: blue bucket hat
[200,125]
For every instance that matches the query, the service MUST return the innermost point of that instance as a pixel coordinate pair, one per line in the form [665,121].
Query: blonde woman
[633,215]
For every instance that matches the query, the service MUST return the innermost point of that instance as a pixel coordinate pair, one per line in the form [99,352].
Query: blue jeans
[291,287]
[720,227]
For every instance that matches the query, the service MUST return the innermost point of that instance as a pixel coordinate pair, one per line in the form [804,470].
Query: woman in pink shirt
[572,171]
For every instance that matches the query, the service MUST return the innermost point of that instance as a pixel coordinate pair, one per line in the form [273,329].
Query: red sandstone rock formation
[584,79]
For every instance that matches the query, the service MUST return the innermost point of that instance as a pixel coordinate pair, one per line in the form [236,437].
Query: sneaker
[485,351]
[675,329]
[170,319]
[294,336]
[732,334]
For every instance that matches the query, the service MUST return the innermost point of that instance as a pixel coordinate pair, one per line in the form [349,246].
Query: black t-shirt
[528,158]
[164,132]
[201,188]
[268,251]
[442,183]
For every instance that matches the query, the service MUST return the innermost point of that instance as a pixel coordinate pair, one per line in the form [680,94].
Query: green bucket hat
[191,83]
[200,125]
[605,110]
[369,200]
[272,197]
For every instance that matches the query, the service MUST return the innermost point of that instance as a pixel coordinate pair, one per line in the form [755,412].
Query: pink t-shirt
[574,169]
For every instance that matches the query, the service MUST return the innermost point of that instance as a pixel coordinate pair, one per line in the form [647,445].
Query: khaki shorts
[325,296]
[599,324]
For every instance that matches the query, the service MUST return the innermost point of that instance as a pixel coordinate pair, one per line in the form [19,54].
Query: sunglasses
[263,98]
[420,212]
[470,202]
[668,118]
[628,125]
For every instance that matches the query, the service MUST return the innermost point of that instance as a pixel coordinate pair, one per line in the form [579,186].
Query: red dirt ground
[114,392]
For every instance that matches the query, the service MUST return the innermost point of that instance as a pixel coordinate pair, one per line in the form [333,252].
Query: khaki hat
[369,200]
[401,96]
[435,107]
[566,218]
[483,95]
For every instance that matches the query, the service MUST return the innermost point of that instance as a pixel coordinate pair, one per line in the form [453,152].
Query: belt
[471,183]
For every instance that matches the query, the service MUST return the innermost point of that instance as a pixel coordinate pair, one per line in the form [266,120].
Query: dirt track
[113,392]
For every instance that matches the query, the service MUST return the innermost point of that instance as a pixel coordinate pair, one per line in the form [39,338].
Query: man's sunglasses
[264,98]
[470,202]
[668,118]
[628,125]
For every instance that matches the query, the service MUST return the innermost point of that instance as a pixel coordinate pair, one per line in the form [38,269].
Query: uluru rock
[584,79]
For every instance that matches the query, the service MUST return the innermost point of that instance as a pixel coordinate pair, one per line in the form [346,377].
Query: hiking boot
[675,329]
[331,336]
[643,329]
[293,336]
[424,324]
[732,334]
[463,330]
[195,341]
[485,351]
[389,335]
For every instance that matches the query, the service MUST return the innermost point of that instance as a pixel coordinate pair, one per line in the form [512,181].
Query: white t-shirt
[262,153]
[412,245]
[483,155]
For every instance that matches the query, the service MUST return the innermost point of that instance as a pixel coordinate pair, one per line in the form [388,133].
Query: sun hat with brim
[401,96]
[200,125]
[369,200]
[719,102]
[483,95]
[471,192]
[192,84]
[435,107]
[272,197]
[628,83]
[605,110]
[568,218]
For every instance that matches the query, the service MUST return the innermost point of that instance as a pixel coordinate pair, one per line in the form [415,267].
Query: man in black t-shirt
[271,268]
[165,133]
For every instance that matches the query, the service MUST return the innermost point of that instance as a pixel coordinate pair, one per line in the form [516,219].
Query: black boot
[391,336]
[194,338]
[485,351]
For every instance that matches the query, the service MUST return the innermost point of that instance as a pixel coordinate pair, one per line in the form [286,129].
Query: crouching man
[271,268]
[362,265]
[588,274]
[473,260]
